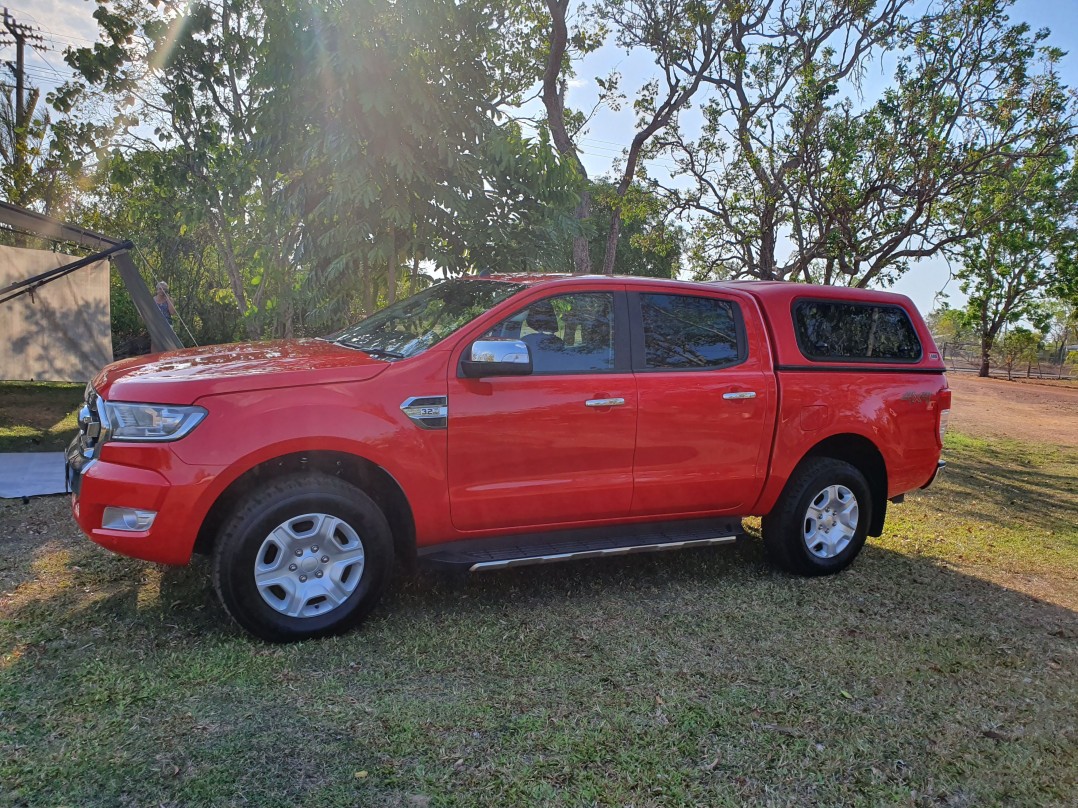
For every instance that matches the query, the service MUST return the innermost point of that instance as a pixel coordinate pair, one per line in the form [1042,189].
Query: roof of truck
[772,292]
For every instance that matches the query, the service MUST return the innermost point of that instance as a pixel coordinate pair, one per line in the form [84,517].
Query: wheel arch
[365,475]
[865,456]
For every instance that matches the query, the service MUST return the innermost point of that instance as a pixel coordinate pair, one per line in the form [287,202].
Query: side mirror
[497,357]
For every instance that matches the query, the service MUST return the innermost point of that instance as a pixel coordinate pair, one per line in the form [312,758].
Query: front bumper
[146,478]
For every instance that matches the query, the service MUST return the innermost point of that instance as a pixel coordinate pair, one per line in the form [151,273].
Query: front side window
[565,334]
[687,332]
[834,330]
[414,324]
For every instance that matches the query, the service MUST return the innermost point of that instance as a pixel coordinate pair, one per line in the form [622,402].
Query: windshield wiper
[373,351]
[382,352]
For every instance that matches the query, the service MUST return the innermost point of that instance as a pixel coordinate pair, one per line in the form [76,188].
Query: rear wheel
[820,522]
[306,556]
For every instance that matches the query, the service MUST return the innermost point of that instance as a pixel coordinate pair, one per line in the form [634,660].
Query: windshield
[412,325]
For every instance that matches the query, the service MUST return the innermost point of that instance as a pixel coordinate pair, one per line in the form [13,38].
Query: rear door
[707,395]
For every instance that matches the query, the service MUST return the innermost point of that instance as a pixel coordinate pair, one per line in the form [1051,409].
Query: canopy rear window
[842,331]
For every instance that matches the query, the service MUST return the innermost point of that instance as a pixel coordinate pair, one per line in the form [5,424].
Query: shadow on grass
[1035,489]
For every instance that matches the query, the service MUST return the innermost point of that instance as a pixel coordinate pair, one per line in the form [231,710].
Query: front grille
[90,427]
[83,450]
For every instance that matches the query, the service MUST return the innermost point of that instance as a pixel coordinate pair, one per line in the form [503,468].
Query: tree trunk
[288,330]
[612,242]
[391,270]
[223,242]
[983,372]
[554,101]
[369,296]
[581,246]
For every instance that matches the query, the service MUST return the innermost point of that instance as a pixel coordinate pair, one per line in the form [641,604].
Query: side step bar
[522,550]
[606,551]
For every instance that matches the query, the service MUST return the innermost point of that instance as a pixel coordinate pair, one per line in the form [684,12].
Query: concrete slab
[31,474]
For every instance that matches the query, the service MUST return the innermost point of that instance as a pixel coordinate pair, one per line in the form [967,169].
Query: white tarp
[31,474]
[61,333]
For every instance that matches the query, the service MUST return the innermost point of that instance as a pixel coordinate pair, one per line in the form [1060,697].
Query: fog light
[133,519]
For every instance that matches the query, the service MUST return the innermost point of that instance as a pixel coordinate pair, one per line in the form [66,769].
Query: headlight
[150,422]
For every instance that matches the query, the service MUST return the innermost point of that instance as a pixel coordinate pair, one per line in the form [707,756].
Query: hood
[181,377]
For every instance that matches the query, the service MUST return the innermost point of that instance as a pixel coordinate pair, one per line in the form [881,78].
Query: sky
[70,23]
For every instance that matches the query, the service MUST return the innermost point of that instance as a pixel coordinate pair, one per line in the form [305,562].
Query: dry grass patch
[38,416]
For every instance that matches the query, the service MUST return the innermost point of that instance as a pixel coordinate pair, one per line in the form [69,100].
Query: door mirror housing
[497,357]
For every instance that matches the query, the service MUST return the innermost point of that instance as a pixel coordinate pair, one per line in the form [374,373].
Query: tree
[651,245]
[186,72]
[685,38]
[1025,251]
[1018,345]
[323,150]
[798,178]
[949,327]
[39,169]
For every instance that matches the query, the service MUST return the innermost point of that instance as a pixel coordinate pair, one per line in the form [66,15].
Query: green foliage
[949,326]
[403,157]
[309,161]
[39,168]
[289,167]
[127,327]
[649,244]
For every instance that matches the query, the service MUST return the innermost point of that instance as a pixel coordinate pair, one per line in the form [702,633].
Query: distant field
[941,670]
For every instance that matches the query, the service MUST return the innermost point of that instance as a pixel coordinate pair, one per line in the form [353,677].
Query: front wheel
[306,556]
[820,522]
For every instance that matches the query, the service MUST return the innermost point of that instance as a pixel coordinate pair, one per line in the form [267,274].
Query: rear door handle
[604,402]
[744,394]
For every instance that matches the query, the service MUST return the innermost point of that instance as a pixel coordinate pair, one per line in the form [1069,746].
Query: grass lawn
[941,670]
[38,416]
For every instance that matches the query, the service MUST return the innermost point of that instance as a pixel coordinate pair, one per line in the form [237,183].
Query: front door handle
[742,394]
[604,402]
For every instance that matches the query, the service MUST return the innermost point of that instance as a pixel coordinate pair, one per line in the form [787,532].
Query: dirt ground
[1026,410]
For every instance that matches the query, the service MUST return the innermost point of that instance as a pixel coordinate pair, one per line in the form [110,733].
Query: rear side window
[681,331]
[833,330]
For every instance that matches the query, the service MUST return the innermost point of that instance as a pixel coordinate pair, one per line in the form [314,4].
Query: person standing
[164,302]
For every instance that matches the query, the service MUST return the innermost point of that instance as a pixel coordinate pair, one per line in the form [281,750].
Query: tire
[821,520]
[307,556]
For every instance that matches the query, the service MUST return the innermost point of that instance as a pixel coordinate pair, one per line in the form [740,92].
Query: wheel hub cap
[309,565]
[830,521]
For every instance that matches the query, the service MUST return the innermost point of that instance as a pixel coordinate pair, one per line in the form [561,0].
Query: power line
[37,22]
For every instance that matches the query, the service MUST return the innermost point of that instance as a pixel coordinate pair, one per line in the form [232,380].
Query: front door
[557,446]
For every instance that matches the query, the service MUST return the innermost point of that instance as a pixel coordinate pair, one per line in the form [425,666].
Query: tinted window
[833,330]
[688,332]
[565,334]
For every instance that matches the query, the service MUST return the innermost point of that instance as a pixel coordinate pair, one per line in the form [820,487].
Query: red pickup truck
[489,423]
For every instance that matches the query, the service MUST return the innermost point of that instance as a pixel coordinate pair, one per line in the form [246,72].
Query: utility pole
[22,34]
